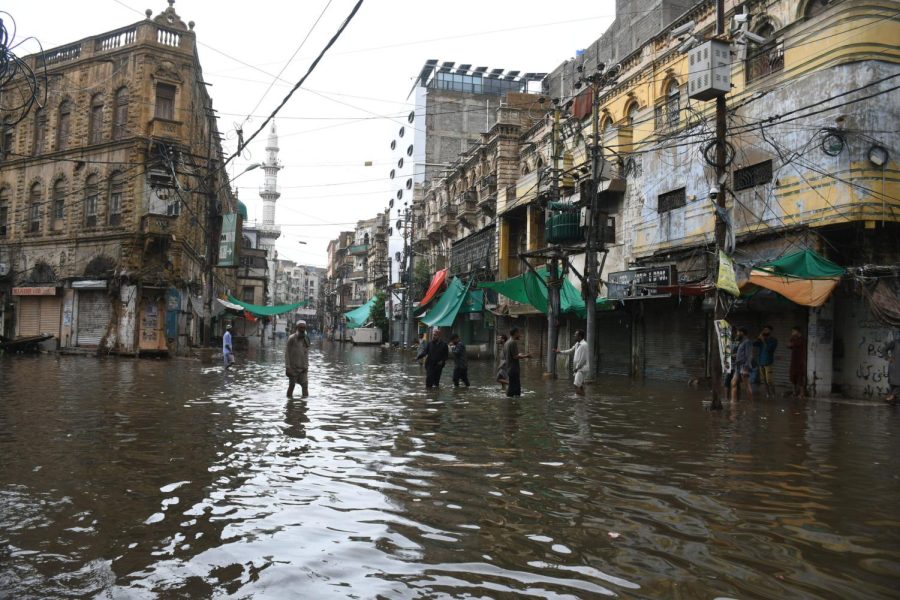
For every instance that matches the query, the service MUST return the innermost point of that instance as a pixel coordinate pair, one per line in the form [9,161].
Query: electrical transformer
[709,70]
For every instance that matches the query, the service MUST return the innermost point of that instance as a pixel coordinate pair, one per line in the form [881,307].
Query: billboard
[228,241]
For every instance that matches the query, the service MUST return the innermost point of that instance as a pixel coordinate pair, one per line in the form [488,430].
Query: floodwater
[172,479]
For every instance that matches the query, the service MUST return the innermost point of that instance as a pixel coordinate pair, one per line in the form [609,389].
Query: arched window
[96,120]
[673,104]
[114,207]
[34,208]
[62,125]
[91,198]
[606,124]
[4,212]
[766,58]
[40,131]
[631,114]
[120,114]
[815,7]
[7,139]
[58,206]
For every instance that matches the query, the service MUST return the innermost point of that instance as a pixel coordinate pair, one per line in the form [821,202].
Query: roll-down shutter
[674,341]
[614,344]
[29,317]
[94,313]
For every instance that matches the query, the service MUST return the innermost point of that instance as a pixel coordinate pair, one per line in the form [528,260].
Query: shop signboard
[642,282]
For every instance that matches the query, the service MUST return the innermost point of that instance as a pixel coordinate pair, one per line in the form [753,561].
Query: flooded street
[171,479]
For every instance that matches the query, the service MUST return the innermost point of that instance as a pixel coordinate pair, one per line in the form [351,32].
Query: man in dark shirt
[461,362]
[743,364]
[767,346]
[511,355]
[435,354]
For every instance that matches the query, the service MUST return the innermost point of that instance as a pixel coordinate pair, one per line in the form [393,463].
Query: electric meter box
[709,70]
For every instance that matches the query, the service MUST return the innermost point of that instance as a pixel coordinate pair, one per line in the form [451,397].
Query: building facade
[112,196]
[809,168]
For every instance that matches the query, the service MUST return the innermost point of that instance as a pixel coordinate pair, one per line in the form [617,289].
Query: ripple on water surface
[167,478]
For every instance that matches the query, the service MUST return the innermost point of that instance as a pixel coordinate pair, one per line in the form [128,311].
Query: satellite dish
[397,256]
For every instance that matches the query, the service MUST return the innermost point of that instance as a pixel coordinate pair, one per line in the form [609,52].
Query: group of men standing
[754,358]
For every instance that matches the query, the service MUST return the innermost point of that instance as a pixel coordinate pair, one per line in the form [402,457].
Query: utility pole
[716,403]
[590,250]
[554,278]
[405,280]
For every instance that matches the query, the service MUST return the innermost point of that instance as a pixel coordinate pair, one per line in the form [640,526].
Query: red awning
[437,281]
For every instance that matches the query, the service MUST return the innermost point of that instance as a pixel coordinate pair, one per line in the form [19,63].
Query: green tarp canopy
[531,288]
[266,311]
[447,306]
[473,302]
[805,264]
[358,317]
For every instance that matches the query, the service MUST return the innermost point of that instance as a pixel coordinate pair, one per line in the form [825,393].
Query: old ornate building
[112,196]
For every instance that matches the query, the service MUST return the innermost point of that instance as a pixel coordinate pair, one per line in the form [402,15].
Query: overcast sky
[352,105]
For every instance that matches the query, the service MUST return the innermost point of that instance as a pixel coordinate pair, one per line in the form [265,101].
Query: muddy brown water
[141,479]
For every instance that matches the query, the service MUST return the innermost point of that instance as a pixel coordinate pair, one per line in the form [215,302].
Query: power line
[309,71]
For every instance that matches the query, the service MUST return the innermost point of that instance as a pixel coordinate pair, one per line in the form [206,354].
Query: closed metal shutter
[29,317]
[534,336]
[675,340]
[614,344]
[51,313]
[94,314]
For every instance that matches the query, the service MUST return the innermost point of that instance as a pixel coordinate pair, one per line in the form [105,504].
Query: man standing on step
[296,360]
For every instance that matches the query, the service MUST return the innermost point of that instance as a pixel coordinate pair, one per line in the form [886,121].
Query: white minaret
[269,231]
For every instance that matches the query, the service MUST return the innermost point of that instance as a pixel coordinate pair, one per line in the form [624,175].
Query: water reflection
[152,479]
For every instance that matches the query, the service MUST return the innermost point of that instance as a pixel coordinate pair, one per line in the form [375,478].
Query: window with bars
[34,209]
[670,200]
[165,101]
[116,186]
[120,114]
[40,131]
[62,125]
[58,197]
[752,176]
[4,212]
[7,138]
[96,120]
[91,198]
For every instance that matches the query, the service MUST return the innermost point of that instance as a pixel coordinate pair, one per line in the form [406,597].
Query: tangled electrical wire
[20,87]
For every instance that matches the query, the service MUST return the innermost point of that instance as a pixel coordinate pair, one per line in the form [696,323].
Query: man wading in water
[435,353]
[296,360]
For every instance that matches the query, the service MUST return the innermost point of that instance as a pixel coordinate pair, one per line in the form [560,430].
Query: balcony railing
[359,249]
[114,40]
[764,61]
[158,224]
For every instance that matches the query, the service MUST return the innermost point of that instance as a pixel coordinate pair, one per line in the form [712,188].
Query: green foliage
[421,278]
[379,318]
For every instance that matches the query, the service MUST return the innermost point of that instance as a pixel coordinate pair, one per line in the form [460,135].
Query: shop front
[94,312]
[39,311]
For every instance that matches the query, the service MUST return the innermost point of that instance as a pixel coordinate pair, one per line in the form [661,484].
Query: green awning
[447,306]
[805,264]
[358,317]
[266,311]
[531,288]
[473,302]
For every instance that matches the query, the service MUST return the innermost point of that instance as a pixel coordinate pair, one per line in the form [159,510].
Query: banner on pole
[723,334]
[727,280]
[227,253]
